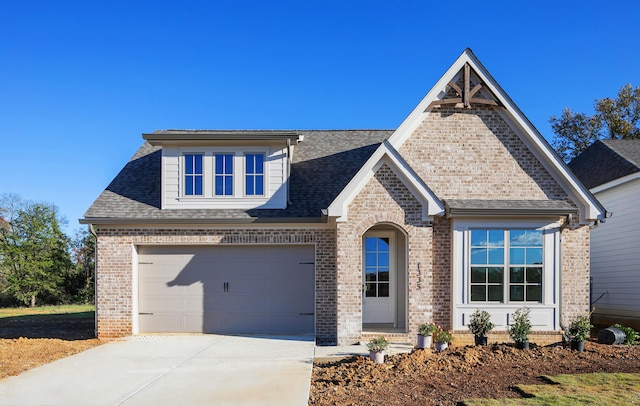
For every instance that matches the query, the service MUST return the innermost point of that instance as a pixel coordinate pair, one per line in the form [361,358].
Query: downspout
[288,170]
[566,223]
[95,279]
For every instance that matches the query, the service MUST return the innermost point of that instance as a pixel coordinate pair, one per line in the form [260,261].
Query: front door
[378,296]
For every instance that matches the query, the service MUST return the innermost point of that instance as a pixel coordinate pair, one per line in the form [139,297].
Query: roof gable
[386,154]
[473,74]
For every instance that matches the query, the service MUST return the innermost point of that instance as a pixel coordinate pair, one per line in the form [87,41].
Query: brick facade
[459,154]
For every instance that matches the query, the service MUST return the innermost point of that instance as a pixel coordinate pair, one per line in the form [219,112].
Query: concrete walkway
[172,370]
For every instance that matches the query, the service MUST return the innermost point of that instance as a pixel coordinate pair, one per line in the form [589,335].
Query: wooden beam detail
[465,95]
[453,100]
[456,88]
[485,101]
[475,90]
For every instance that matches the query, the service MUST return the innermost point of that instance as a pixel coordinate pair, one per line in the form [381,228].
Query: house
[611,170]
[347,234]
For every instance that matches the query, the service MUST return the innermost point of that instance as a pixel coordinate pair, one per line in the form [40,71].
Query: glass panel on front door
[376,267]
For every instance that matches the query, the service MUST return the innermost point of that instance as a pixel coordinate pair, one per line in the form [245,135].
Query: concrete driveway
[172,370]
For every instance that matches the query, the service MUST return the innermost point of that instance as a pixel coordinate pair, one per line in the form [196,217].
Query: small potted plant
[376,348]
[520,328]
[425,335]
[578,332]
[480,324]
[442,338]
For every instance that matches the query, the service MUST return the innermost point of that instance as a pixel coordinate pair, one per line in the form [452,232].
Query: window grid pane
[193,174]
[525,280]
[223,175]
[487,265]
[254,174]
[376,262]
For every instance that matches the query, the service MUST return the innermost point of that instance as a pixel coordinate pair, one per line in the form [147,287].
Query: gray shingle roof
[606,160]
[322,166]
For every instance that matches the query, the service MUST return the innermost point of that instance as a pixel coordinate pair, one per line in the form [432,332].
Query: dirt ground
[427,378]
[29,341]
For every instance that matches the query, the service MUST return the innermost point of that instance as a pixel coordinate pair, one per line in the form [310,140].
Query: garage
[264,289]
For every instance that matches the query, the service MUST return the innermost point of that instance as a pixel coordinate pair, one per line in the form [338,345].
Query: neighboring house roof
[607,160]
[322,165]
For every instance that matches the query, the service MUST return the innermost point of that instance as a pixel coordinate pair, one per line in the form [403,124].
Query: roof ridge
[271,130]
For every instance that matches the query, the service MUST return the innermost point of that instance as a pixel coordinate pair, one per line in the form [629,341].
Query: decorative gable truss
[386,154]
[461,94]
[467,82]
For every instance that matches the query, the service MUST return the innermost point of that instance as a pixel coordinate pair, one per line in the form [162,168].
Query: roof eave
[161,138]
[546,213]
[196,221]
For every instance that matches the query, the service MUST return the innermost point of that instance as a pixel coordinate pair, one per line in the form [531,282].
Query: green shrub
[426,329]
[521,325]
[480,323]
[378,344]
[631,335]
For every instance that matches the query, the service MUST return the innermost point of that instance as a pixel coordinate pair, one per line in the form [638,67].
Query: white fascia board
[590,208]
[431,205]
[615,182]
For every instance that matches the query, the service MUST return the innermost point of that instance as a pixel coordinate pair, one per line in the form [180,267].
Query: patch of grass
[586,389]
[45,310]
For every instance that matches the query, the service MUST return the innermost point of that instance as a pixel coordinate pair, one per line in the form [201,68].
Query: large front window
[506,265]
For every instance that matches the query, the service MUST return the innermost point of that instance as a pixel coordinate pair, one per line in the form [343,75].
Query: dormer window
[225,169]
[193,174]
[254,174]
[224,174]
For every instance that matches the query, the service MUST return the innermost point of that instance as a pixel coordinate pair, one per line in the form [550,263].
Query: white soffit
[590,208]
[386,154]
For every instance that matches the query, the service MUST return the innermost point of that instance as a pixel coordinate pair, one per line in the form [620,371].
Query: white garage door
[226,289]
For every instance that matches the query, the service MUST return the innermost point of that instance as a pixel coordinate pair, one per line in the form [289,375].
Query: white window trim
[208,176]
[544,315]
[183,175]
[233,174]
[265,182]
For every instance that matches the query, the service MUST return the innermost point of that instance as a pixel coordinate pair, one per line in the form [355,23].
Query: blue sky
[80,81]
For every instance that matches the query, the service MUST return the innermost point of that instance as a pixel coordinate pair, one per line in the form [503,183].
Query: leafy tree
[34,252]
[79,284]
[617,118]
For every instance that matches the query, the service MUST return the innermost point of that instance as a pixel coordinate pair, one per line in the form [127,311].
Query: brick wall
[575,271]
[474,154]
[116,252]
